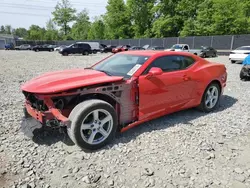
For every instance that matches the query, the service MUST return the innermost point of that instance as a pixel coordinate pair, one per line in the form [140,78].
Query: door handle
[186,78]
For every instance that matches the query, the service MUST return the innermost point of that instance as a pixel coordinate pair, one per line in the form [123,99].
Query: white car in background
[59,47]
[239,54]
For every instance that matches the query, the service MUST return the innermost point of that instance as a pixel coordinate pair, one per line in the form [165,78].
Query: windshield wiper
[106,72]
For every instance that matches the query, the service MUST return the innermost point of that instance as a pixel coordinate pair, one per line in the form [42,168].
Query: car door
[169,91]
[74,49]
[80,48]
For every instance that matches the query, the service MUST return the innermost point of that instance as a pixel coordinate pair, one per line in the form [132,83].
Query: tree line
[143,19]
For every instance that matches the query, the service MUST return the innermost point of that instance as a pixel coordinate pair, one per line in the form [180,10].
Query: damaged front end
[53,110]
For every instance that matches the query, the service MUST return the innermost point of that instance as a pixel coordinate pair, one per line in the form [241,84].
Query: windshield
[243,48]
[177,47]
[121,65]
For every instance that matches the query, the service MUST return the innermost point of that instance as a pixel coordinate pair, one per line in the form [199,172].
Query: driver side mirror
[154,71]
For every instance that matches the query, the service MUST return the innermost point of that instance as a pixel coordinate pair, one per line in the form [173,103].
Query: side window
[171,63]
[185,48]
[167,63]
[188,61]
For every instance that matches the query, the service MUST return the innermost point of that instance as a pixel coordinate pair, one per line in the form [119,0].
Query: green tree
[97,30]
[81,27]
[51,31]
[20,32]
[165,19]
[36,33]
[63,15]
[186,13]
[2,29]
[117,20]
[141,15]
[204,20]
[229,17]
[8,29]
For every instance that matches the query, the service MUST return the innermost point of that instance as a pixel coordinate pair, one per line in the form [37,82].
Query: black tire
[204,55]
[51,50]
[37,50]
[202,107]
[233,61]
[65,54]
[242,76]
[85,53]
[79,113]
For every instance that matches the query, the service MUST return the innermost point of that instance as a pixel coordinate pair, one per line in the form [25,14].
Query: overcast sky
[23,13]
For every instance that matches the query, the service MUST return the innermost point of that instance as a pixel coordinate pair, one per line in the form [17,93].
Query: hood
[65,80]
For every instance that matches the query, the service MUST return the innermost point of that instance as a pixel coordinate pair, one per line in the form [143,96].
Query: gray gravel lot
[185,149]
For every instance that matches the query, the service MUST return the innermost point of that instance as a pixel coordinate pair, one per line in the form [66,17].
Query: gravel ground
[185,149]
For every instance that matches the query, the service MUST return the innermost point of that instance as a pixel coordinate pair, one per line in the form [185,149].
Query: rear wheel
[93,124]
[85,53]
[210,98]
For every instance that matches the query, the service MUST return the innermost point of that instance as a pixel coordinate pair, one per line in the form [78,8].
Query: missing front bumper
[28,125]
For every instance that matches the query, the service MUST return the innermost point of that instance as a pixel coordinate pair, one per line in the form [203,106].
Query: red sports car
[122,91]
[121,48]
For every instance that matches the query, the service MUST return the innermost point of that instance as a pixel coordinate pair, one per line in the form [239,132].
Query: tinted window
[172,63]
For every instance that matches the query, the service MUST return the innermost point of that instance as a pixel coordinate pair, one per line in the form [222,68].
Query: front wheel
[210,98]
[65,54]
[93,124]
[233,61]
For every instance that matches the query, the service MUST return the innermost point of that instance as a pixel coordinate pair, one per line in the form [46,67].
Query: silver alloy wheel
[96,126]
[212,96]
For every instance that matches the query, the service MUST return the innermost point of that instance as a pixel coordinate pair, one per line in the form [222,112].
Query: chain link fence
[225,42]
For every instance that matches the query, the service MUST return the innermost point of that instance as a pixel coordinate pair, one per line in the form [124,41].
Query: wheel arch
[100,96]
[216,82]
[211,82]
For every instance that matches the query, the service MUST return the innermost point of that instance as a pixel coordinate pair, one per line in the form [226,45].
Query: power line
[27,14]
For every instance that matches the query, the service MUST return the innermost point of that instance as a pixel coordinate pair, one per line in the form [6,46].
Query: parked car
[121,92]
[95,46]
[136,48]
[9,46]
[202,52]
[107,49]
[23,47]
[239,54]
[45,47]
[156,48]
[206,51]
[59,47]
[77,48]
[120,48]
[53,46]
